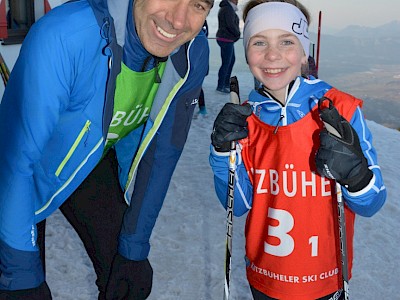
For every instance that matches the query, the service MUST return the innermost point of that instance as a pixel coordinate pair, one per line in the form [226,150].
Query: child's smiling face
[275,58]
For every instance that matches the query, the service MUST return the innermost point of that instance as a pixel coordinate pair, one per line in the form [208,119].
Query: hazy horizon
[337,15]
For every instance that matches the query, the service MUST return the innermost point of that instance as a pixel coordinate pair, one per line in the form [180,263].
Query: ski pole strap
[336,296]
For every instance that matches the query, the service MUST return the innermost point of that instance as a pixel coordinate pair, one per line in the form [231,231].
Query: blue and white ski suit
[301,99]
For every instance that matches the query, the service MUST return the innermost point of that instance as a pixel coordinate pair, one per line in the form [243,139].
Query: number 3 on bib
[285,225]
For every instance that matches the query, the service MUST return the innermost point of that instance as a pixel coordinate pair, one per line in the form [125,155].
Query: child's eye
[287,43]
[258,43]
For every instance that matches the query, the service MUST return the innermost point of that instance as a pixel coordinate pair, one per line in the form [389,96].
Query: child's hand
[341,158]
[230,125]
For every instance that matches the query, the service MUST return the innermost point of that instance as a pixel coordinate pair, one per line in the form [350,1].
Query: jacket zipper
[85,129]
[152,132]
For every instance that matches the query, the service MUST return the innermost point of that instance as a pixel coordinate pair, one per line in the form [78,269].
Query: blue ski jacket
[301,99]
[55,115]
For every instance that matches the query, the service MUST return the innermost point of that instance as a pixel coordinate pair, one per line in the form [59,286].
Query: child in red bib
[288,164]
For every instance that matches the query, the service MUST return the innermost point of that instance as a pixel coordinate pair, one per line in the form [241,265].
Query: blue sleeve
[151,185]
[370,199]
[19,269]
[33,98]
[243,193]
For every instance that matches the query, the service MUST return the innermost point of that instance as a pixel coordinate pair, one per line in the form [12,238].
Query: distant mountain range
[391,29]
[364,62]
[357,48]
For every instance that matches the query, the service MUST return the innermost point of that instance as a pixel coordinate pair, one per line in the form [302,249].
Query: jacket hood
[116,10]
[118,25]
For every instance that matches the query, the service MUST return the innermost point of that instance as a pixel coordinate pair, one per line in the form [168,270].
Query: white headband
[277,15]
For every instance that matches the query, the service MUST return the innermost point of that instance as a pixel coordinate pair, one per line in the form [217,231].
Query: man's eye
[200,6]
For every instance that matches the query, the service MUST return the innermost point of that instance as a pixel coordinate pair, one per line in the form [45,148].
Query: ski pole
[335,117]
[234,93]
[343,241]
[318,41]
[5,72]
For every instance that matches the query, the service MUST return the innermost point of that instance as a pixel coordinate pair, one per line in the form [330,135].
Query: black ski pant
[95,210]
[257,295]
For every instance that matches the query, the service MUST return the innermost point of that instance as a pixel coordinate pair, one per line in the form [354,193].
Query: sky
[337,14]
[341,13]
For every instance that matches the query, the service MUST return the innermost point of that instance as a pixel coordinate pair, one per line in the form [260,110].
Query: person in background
[202,102]
[227,34]
[94,117]
[288,163]
[310,69]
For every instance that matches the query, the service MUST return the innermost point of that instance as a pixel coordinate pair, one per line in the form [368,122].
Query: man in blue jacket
[93,121]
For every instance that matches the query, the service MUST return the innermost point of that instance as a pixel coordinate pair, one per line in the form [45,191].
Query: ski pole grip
[332,130]
[330,117]
[234,90]
[235,98]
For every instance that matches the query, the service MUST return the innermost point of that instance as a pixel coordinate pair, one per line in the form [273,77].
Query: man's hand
[129,279]
[42,292]
[340,156]
[230,125]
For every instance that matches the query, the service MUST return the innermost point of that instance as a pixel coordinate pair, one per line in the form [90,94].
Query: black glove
[129,279]
[340,156]
[42,292]
[230,125]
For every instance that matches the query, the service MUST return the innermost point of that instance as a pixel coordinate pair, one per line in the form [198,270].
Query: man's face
[164,25]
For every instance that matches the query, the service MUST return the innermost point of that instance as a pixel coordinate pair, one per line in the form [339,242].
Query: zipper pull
[157,61]
[277,124]
[158,78]
[87,134]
